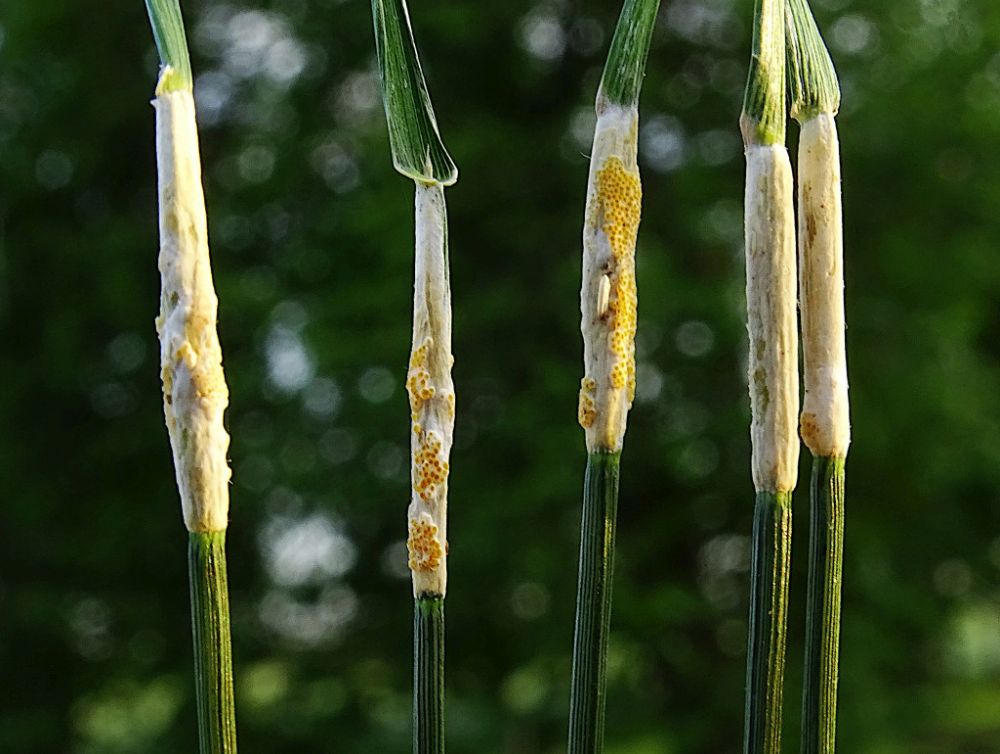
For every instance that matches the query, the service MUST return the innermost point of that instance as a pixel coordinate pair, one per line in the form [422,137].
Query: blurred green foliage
[311,233]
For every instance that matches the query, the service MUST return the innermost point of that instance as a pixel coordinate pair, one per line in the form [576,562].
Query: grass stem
[826,555]
[769,570]
[593,606]
[213,654]
[428,674]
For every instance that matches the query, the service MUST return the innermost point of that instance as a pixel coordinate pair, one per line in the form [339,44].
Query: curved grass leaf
[417,149]
[812,79]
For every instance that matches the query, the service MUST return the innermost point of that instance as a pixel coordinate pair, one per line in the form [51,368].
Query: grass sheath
[609,311]
[825,420]
[769,569]
[418,152]
[773,378]
[593,603]
[428,674]
[195,395]
[213,657]
[826,552]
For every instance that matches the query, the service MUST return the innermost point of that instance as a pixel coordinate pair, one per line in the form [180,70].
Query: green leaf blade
[812,79]
[171,43]
[763,119]
[626,64]
[417,149]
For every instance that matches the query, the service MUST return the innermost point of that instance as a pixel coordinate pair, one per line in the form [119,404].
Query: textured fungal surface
[608,297]
[423,545]
[771,314]
[432,396]
[825,422]
[195,395]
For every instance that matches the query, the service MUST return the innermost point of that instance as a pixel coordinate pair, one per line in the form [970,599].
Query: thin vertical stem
[593,605]
[428,674]
[770,563]
[826,556]
[213,654]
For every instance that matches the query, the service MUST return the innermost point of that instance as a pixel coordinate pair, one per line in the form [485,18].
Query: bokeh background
[312,244]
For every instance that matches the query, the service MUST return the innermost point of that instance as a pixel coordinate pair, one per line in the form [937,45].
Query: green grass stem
[213,654]
[769,569]
[593,605]
[826,556]
[428,674]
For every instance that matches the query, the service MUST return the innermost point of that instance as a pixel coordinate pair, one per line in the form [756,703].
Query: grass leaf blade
[417,149]
[171,42]
[626,64]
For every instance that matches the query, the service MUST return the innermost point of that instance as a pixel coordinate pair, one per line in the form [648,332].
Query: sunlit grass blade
[195,395]
[608,303]
[825,420]
[417,149]
[773,373]
[419,153]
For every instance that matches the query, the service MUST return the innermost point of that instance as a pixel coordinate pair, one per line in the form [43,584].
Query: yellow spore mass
[430,470]
[418,379]
[587,409]
[423,545]
[619,193]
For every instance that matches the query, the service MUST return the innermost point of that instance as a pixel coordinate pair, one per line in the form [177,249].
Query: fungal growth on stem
[825,420]
[432,395]
[608,294]
[769,226]
[195,395]
[419,153]
[608,306]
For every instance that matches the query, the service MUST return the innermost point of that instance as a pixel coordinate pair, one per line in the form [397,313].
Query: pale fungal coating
[432,395]
[771,303]
[195,395]
[423,545]
[825,422]
[608,296]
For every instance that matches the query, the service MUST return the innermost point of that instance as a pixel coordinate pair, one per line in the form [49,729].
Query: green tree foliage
[311,238]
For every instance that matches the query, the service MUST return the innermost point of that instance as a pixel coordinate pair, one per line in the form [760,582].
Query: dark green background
[312,237]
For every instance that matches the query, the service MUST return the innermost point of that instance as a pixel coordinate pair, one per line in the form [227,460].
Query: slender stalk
[608,305]
[773,372]
[418,152]
[593,602]
[769,569]
[195,394]
[825,420]
[213,656]
[428,674]
[826,551]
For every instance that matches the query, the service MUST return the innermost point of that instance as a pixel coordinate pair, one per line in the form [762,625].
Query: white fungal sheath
[432,395]
[608,298]
[195,395]
[773,365]
[825,421]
